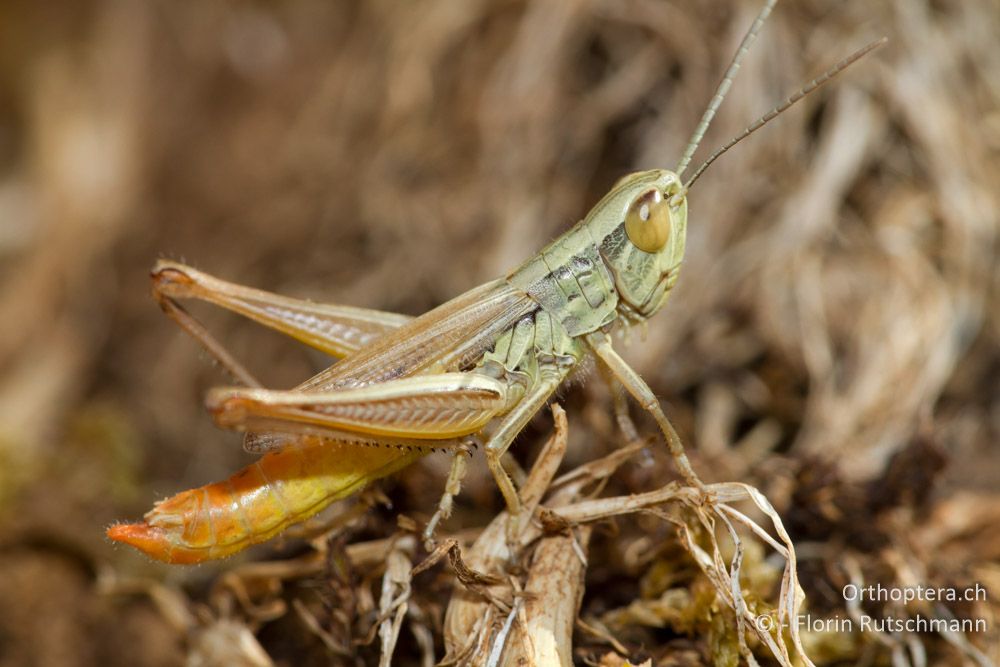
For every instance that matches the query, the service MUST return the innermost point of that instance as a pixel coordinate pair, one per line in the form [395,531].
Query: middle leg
[549,378]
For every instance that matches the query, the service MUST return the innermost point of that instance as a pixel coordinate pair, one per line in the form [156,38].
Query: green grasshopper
[475,369]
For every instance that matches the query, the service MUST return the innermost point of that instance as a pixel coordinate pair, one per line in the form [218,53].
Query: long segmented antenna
[720,92]
[795,97]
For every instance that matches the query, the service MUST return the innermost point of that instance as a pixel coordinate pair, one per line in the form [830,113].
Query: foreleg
[600,343]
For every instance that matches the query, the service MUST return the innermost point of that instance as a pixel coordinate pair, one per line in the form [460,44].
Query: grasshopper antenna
[727,82]
[795,97]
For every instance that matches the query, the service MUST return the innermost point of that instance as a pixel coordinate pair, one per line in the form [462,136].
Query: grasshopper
[474,370]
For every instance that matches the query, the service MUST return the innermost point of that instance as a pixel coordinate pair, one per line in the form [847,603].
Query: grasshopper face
[641,227]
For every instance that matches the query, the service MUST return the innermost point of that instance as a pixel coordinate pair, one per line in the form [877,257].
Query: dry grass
[832,341]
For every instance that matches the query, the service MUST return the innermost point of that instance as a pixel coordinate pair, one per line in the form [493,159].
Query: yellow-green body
[494,354]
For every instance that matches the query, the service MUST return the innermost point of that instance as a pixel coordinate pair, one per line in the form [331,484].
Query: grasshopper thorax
[620,260]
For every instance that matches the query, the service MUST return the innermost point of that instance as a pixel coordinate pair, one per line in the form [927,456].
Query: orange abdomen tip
[152,541]
[284,487]
[142,536]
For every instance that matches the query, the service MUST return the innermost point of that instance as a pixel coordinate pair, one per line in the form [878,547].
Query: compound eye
[647,223]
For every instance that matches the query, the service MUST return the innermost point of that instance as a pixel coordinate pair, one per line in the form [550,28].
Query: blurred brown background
[837,308]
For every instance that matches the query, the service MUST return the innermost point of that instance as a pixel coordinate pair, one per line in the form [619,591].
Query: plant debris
[829,355]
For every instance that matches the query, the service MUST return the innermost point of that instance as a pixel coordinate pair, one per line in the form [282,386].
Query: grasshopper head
[642,224]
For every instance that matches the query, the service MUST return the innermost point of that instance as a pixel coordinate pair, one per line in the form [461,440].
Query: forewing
[452,337]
